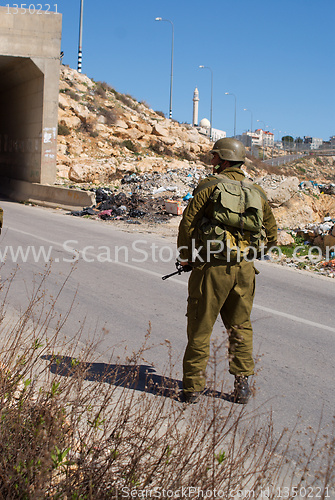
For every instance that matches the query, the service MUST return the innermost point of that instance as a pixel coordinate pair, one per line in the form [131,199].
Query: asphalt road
[293,316]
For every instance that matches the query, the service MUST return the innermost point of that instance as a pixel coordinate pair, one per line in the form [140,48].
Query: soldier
[220,283]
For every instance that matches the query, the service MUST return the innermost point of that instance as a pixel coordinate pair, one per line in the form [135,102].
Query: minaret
[195,107]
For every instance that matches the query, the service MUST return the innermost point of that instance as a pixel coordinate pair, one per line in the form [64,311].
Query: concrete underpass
[30,46]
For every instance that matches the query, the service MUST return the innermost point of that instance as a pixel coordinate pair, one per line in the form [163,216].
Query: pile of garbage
[129,208]
[142,197]
[173,182]
[319,252]
[321,235]
[312,186]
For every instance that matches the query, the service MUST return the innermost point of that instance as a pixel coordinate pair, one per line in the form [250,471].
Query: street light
[263,138]
[262,122]
[171,76]
[80,51]
[211,113]
[230,93]
[273,145]
[245,109]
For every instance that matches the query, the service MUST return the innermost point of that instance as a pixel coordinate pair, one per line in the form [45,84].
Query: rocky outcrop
[98,124]
[285,238]
[279,189]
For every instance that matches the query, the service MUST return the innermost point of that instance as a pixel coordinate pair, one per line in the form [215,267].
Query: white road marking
[183,283]
[294,318]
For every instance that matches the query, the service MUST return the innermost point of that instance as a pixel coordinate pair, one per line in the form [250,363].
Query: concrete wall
[49,196]
[29,89]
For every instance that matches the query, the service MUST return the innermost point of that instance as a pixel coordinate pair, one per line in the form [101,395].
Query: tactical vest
[235,229]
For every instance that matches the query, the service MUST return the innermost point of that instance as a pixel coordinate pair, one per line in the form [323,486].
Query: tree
[287,138]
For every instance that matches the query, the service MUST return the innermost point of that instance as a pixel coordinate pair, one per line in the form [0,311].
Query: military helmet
[229,149]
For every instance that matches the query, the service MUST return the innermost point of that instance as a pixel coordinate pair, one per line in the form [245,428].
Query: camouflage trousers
[228,290]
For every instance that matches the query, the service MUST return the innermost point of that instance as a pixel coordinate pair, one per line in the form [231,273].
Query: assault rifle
[180,269]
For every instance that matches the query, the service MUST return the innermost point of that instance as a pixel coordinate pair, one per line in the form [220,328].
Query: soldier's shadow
[141,378]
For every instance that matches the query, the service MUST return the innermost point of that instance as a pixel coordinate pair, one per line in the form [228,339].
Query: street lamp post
[245,109]
[80,48]
[262,122]
[273,145]
[211,111]
[171,73]
[285,133]
[230,93]
[263,138]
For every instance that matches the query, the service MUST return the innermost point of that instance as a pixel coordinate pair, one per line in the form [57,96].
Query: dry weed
[74,428]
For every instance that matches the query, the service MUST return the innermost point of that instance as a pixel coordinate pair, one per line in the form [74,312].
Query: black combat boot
[242,390]
[190,397]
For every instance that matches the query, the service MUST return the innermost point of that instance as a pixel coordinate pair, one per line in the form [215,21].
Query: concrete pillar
[29,89]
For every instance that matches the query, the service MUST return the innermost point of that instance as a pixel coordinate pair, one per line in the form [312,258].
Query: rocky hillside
[104,135]
[118,146]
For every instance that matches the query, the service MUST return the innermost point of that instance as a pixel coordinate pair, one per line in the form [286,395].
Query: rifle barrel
[169,275]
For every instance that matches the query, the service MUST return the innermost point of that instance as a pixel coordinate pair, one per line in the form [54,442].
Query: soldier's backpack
[237,220]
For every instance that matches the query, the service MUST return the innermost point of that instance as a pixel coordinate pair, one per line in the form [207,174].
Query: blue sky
[277,57]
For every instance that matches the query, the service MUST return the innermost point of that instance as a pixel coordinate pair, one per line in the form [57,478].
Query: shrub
[144,103]
[101,89]
[111,115]
[63,129]
[71,427]
[127,101]
[71,93]
[161,149]
[184,154]
[160,113]
[129,145]
[88,126]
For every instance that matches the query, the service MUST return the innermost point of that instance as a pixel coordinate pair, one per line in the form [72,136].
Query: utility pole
[171,73]
[80,48]
[211,110]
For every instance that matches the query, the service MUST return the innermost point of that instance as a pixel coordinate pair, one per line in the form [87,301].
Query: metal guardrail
[282,160]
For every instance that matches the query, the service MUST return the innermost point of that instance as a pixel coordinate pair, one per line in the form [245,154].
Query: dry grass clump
[74,428]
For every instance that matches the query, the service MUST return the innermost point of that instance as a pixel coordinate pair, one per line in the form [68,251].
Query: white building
[218,134]
[205,129]
[314,142]
[267,138]
[260,137]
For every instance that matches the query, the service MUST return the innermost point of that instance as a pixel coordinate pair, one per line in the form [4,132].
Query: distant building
[205,123]
[218,134]
[313,142]
[204,126]
[205,129]
[258,138]
[267,138]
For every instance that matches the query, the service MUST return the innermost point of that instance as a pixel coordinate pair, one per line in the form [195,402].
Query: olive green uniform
[217,287]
